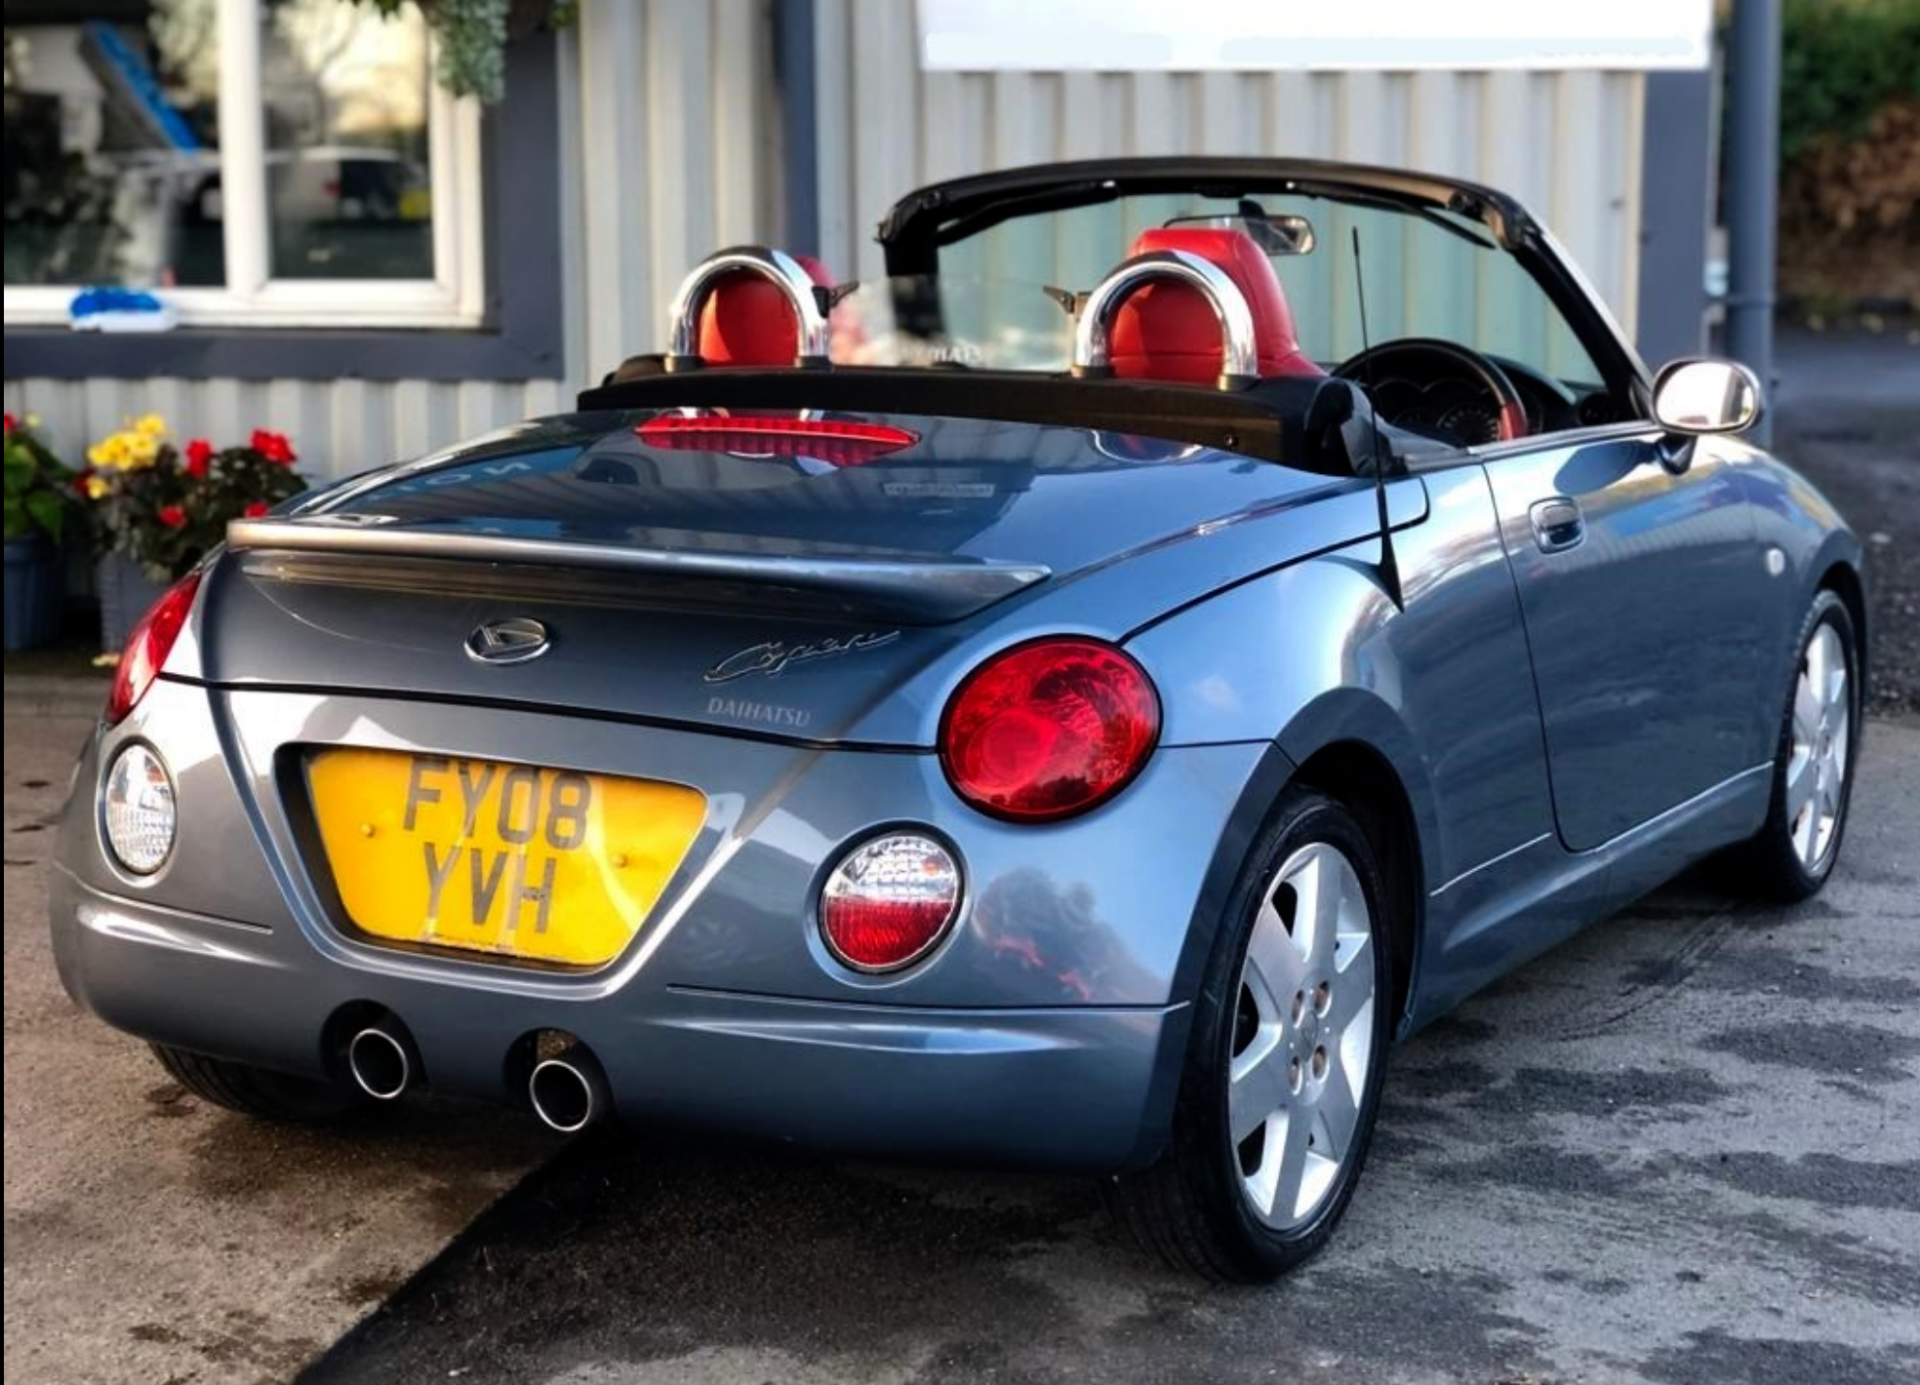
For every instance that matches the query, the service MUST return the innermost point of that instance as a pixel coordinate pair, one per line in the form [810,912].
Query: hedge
[1841,61]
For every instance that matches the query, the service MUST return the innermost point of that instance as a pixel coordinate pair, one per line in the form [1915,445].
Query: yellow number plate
[540,863]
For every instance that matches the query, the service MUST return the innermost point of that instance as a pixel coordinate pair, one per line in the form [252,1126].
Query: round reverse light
[137,811]
[1049,729]
[889,901]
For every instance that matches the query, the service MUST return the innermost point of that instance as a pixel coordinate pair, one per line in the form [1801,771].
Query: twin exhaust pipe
[382,1059]
[568,1091]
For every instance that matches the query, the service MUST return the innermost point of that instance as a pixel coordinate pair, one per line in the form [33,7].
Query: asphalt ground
[1684,1147]
[151,1238]
[1848,416]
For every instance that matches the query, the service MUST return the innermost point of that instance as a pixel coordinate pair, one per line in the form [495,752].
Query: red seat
[1166,330]
[747,320]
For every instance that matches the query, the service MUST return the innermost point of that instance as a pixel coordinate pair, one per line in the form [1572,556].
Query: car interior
[1160,360]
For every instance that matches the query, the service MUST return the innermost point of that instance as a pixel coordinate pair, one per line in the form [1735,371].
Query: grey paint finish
[1501,693]
[1644,633]
[1081,944]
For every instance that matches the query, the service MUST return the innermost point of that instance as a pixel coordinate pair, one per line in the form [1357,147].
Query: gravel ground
[1847,414]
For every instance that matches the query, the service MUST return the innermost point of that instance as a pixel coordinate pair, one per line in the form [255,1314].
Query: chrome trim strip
[1092,345]
[1491,862]
[778,268]
[1652,826]
[1567,438]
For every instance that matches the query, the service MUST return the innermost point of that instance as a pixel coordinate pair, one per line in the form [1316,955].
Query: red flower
[11,425]
[199,455]
[256,509]
[273,446]
[79,482]
[173,516]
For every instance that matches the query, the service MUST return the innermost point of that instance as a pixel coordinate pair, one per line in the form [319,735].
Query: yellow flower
[142,448]
[150,425]
[33,422]
[97,486]
[110,451]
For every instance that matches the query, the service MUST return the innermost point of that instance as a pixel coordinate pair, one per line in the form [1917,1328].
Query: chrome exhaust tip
[569,1091]
[382,1061]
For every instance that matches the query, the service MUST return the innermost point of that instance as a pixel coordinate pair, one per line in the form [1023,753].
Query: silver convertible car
[1072,700]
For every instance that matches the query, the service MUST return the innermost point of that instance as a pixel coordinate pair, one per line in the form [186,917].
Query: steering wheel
[1430,361]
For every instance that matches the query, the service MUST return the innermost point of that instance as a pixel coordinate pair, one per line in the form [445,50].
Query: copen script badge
[776,655]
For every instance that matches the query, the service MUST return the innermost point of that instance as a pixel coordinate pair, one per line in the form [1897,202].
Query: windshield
[1428,274]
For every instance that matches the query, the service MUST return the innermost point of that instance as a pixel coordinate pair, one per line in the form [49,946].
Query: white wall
[1566,143]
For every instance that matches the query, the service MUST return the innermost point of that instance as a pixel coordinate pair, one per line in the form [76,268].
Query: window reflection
[112,162]
[347,93]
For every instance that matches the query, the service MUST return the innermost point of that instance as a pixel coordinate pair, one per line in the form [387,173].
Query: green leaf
[49,511]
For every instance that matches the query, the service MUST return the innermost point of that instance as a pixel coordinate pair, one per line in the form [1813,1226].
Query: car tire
[1792,855]
[258,1092]
[1239,1195]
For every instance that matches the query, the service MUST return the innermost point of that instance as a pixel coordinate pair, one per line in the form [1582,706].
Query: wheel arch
[1842,578]
[1349,745]
[1363,780]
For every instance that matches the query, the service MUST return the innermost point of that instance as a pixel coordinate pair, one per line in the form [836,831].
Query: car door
[1635,581]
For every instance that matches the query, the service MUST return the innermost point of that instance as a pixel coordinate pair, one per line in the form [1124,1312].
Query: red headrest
[747,320]
[1167,331]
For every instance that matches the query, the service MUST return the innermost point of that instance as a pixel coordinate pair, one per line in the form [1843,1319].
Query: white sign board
[1263,35]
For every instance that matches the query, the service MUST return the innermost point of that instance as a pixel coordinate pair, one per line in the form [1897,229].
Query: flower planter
[125,593]
[36,592]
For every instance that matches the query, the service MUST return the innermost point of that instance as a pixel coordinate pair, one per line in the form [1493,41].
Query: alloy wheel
[1817,762]
[1302,1044]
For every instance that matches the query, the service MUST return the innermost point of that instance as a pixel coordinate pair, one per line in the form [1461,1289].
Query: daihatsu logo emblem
[511,641]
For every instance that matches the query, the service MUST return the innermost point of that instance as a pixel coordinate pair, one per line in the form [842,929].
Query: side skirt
[1507,911]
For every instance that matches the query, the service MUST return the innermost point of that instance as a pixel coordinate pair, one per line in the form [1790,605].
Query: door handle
[1558,524]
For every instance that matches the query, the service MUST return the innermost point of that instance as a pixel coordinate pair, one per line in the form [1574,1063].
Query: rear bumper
[1082,1088]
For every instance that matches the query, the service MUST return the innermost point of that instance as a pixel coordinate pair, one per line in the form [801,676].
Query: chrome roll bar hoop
[778,268]
[1239,357]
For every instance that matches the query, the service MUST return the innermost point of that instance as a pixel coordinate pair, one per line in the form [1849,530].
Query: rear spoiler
[912,589]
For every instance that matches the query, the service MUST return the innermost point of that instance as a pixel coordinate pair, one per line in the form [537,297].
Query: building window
[260,162]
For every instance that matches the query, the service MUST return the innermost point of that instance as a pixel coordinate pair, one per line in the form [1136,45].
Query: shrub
[1841,61]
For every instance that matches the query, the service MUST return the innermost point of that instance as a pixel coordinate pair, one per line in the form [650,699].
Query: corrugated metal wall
[1566,143]
[337,427]
[669,126]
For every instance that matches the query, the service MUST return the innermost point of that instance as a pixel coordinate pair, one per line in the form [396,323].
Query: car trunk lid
[772,586]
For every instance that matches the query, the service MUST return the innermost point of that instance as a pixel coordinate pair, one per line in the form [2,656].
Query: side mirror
[1692,397]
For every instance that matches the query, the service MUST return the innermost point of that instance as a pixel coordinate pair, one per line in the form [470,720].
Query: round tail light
[1049,729]
[889,901]
[137,809]
[148,645]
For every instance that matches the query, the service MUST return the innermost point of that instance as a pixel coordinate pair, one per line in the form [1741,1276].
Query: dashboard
[1455,409]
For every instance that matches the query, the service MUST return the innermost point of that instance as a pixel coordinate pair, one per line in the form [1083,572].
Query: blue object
[35,592]
[143,87]
[109,298]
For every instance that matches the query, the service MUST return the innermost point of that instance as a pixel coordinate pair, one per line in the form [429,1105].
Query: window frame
[252,296]
[520,331]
